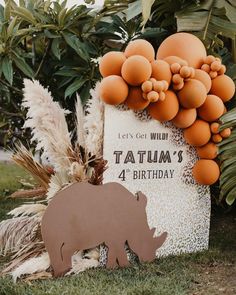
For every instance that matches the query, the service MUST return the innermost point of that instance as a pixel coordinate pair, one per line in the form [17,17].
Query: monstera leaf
[227,156]
[209,20]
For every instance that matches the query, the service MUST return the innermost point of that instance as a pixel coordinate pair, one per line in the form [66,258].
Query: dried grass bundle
[25,159]
[36,193]
[47,121]
[93,124]
[97,175]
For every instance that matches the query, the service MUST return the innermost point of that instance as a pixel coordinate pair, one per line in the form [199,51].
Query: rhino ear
[142,199]
[153,231]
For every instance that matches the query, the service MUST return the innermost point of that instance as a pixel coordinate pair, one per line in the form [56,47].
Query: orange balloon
[165,110]
[108,90]
[208,151]
[185,118]
[111,63]
[212,109]
[216,138]
[203,77]
[175,60]
[198,134]
[193,94]
[161,70]
[136,69]
[225,133]
[215,127]
[140,47]
[206,172]
[224,87]
[185,46]
[135,100]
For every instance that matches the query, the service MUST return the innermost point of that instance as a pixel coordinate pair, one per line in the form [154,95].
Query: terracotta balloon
[185,118]
[215,127]
[208,151]
[161,70]
[206,172]
[136,69]
[212,109]
[135,100]
[216,138]
[223,86]
[175,59]
[164,110]
[225,133]
[203,77]
[185,46]
[111,63]
[193,94]
[108,90]
[198,134]
[140,47]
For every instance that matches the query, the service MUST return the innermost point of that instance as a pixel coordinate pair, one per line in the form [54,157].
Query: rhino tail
[142,199]
[159,241]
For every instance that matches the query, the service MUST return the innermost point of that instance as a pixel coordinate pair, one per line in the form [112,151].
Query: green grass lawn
[211,272]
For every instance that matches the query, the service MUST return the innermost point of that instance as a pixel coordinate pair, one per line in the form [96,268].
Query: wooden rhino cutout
[84,216]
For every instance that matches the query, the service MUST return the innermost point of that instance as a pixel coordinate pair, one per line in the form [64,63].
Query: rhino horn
[142,199]
[159,241]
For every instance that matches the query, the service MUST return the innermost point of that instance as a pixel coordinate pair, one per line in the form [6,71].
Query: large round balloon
[185,46]
[165,110]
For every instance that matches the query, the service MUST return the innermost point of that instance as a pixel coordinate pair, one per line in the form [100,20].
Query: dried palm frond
[78,172]
[43,275]
[97,175]
[57,182]
[28,209]
[17,232]
[31,266]
[25,159]
[47,121]
[81,263]
[33,249]
[93,124]
[36,193]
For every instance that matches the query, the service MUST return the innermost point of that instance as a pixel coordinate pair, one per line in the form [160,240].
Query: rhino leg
[122,257]
[117,254]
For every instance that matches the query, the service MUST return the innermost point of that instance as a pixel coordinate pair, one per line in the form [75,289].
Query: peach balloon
[215,127]
[161,70]
[206,172]
[208,151]
[212,109]
[108,90]
[198,134]
[136,70]
[135,100]
[225,133]
[193,94]
[224,87]
[203,77]
[111,63]
[140,47]
[185,118]
[164,110]
[175,59]
[185,46]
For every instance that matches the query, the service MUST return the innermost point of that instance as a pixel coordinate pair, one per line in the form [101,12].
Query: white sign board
[153,158]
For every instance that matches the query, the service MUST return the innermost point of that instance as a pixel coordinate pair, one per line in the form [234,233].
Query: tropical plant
[227,156]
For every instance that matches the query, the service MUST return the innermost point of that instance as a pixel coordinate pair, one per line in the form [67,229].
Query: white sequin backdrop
[176,204]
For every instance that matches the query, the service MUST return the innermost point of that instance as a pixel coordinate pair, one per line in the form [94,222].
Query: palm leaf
[210,20]
[227,157]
